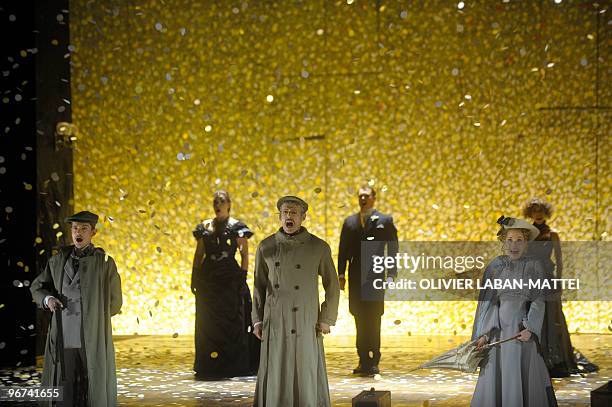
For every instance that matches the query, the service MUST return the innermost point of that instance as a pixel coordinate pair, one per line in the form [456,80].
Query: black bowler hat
[83,217]
[293,199]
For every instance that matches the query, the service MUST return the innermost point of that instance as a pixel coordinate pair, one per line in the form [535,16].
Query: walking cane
[59,344]
[490,345]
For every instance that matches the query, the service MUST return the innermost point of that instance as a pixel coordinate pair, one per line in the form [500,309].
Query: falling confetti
[268,88]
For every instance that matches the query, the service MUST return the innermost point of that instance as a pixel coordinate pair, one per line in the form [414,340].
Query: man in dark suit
[366,304]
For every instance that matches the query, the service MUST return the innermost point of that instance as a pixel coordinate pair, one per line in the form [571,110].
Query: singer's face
[82,234]
[515,244]
[366,199]
[221,207]
[538,217]
[291,217]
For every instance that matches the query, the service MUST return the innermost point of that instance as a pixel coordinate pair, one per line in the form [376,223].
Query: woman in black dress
[224,346]
[559,355]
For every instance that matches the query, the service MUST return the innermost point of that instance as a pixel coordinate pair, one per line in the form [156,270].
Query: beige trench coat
[101,298]
[292,368]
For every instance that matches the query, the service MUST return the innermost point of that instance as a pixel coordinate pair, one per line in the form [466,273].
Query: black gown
[559,355]
[224,345]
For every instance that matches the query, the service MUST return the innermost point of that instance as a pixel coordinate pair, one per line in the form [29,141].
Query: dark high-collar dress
[561,358]
[224,345]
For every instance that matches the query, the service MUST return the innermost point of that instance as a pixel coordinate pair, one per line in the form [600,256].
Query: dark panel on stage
[602,396]
[17,183]
[35,171]
[372,398]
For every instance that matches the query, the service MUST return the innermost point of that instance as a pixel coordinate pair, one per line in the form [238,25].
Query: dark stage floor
[156,371]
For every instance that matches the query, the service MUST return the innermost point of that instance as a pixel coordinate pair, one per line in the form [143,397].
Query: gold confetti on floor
[156,371]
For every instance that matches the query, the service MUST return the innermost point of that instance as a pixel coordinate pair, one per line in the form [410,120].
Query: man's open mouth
[79,239]
[289,223]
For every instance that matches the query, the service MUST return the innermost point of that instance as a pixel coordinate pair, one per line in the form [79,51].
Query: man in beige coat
[287,317]
[82,288]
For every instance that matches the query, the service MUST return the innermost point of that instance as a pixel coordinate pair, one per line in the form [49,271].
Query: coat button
[297,287]
[293,331]
[277,263]
[295,309]
[276,285]
[297,266]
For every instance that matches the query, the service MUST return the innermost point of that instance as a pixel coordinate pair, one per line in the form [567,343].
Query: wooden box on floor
[602,396]
[372,398]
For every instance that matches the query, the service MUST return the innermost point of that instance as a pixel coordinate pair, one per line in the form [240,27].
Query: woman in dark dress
[224,346]
[560,357]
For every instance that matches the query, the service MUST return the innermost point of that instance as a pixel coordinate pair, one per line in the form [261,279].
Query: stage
[156,371]
[450,114]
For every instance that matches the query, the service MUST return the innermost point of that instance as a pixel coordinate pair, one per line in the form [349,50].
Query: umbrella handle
[489,345]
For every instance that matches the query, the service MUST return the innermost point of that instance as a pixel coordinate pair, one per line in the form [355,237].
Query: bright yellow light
[314,137]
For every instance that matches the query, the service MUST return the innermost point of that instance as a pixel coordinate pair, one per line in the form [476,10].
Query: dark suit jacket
[379,232]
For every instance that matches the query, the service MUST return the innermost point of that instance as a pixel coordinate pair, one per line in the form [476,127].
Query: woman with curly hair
[555,342]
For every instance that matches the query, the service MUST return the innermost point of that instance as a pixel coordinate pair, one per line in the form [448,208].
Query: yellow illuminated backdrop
[456,115]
